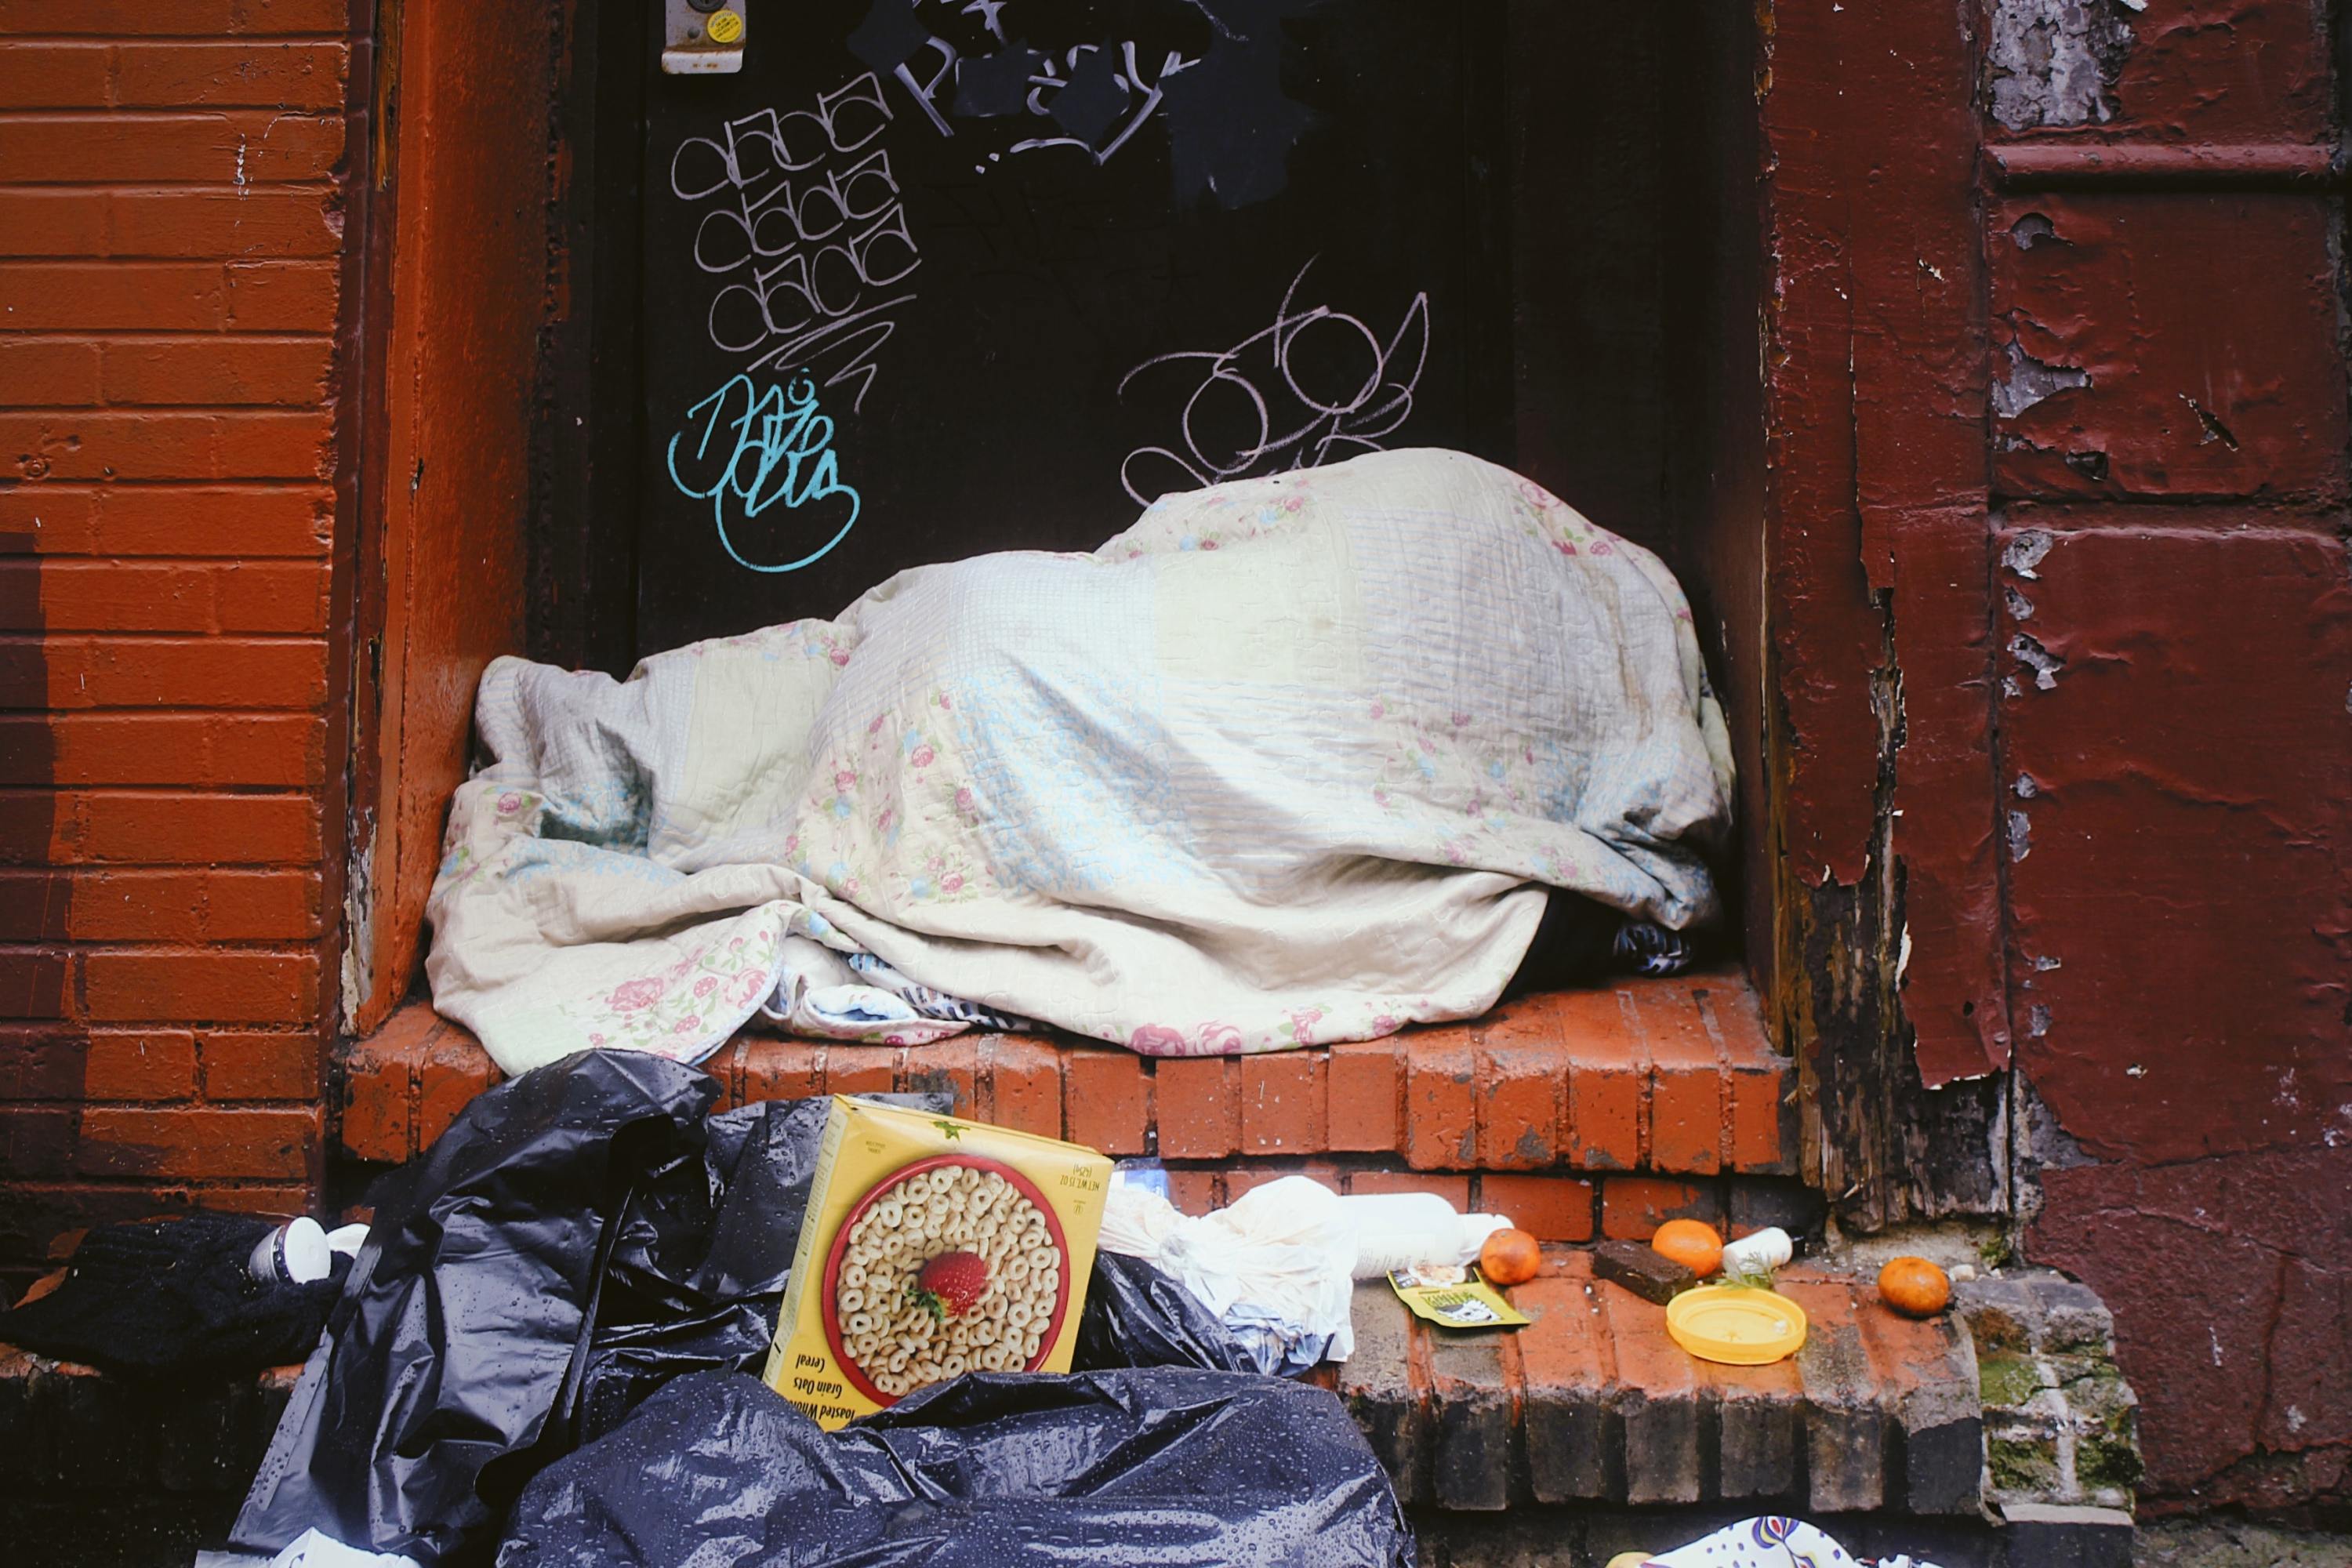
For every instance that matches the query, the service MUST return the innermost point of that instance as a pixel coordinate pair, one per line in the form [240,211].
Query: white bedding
[1286,763]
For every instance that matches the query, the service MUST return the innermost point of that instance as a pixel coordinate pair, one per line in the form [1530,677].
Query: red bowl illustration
[829,1309]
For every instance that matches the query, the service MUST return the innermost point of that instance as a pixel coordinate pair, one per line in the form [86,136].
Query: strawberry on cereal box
[933,1247]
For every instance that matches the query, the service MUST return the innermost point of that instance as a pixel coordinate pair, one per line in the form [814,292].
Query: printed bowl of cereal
[952,1264]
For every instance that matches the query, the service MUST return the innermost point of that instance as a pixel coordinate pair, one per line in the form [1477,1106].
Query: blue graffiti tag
[784,452]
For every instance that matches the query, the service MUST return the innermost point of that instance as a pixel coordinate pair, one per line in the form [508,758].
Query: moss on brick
[1994,1328]
[2005,1379]
[2107,1461]
[2021,1465]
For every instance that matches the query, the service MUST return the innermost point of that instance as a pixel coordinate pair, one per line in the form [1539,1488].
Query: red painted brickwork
[1501,1092]
[172,224]
[1224,1125]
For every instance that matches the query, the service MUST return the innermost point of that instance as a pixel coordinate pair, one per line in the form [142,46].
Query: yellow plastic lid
[1736,1325]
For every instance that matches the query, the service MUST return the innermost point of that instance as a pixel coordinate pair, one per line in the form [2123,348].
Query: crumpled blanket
[1288,762]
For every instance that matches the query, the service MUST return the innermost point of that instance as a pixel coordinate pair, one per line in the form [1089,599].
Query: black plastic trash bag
[722,1227]
[1138,1316]
[703,1255]
[766,1155]
[629,1363]
[1174,1469]
[173,1299]
[463,1319]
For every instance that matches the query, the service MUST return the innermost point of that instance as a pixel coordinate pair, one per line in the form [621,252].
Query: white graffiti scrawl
[1315,386]
[807,228]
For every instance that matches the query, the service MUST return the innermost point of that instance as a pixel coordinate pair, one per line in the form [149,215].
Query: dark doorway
[932,277]
[928,281]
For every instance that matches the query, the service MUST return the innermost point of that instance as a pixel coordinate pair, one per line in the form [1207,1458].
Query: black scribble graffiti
[1315,385]
[1230,127]
[809,230]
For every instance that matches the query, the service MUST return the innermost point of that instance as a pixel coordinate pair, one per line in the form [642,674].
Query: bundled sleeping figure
[1292,760]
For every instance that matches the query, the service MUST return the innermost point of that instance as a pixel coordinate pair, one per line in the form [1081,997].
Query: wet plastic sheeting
[1138,1316]
[722,1225]
[450,1346]
[630,1362]
[1175,1469]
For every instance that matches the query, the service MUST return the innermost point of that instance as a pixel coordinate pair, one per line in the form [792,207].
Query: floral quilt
[1288,762]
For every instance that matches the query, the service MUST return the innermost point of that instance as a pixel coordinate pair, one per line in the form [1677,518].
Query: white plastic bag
[1280,1260]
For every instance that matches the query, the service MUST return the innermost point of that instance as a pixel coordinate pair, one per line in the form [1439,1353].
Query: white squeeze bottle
[1400,1230]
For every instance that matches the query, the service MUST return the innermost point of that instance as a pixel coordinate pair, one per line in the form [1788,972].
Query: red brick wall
[171,231]
[2096,666]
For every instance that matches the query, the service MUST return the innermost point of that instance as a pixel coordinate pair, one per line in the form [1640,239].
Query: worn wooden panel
[1827,636]
[2179,826]
[2174,346]
[2177,71]
[468,268]
[1875,557]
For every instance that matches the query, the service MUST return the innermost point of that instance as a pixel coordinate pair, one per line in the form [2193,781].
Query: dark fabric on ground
[171,1298]
[1572,947]
[1171,1468]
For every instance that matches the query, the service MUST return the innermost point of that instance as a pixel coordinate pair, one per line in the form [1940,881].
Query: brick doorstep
[1664,1077]
[1589,1404]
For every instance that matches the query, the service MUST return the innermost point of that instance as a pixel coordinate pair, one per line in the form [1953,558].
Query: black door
[932,278]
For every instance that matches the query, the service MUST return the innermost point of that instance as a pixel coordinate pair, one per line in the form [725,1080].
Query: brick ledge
[1674,1076]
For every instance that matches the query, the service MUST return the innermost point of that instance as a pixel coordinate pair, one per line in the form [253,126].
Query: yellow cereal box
[933,1246]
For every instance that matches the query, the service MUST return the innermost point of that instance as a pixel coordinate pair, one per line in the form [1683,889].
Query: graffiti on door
[1315,386]
[780,453]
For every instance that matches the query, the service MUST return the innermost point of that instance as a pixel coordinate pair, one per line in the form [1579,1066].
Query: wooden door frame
[1889,955]
[453,264]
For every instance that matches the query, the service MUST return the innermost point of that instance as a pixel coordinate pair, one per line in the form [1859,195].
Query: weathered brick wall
[171,241]
[2059,484]
[2175,638]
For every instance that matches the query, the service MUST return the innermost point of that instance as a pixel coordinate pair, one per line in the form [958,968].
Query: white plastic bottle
[1759,1253]
[1401,1230]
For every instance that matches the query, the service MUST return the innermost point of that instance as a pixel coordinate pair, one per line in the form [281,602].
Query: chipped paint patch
[2054,62]
[2212,425]
[2031,380]
[2024,553]
[2045,665]
[2032,229]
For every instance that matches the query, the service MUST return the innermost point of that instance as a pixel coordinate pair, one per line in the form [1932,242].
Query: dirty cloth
[1169,1468]
[1771,1541]
[1288,762]
[828,995]
[173,1299]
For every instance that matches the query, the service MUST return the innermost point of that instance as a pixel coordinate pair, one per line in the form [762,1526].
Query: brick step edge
[1592,1403]
[1674,1077]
